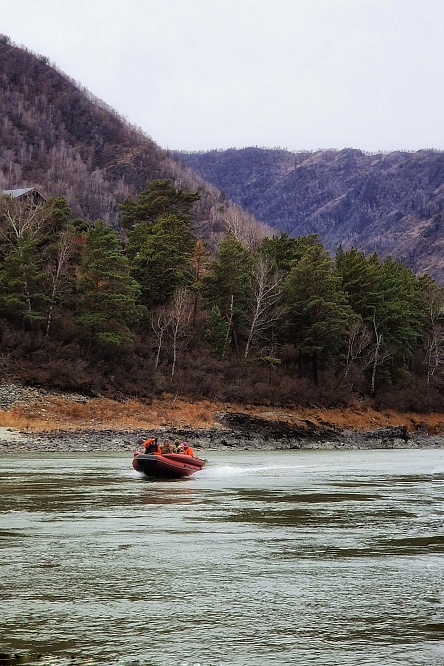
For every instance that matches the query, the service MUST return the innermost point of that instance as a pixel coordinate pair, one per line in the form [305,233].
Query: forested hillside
[135,277]
[57,136]
[278,322]
[392,204]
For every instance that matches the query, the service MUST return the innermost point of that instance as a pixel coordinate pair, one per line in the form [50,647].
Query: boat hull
[166,465]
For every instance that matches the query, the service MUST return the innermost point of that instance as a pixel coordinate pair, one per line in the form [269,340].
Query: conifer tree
[25,229]
[359,279]
[22,292]
[160,258]
[158,200]
[284,251]
[108,294]
[389,298]
[226,284]
[401,311]
[217,333]
[160,241]
[317,313]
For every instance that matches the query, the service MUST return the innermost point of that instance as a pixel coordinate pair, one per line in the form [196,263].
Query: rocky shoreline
[250,436]
[229,430]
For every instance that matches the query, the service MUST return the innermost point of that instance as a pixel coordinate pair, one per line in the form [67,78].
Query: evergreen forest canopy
[149,309]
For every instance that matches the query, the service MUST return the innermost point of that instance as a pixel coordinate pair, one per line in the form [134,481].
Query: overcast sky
[299,74]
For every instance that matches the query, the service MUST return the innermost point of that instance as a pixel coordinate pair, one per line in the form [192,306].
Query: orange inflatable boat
[166,465]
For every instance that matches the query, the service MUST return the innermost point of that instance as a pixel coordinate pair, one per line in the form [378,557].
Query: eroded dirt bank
[34,419]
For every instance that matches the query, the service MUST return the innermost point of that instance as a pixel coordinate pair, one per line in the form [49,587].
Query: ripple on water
[333,559]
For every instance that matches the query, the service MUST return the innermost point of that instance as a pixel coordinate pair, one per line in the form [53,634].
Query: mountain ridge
[388,203]
[59,137]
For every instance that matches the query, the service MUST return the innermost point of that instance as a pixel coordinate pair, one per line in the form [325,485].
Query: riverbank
[101,441]
[33,419]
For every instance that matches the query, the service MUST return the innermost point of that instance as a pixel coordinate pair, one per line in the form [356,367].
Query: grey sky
[300,74]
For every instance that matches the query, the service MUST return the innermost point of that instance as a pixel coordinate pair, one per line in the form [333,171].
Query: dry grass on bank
[97,414]
[61,413]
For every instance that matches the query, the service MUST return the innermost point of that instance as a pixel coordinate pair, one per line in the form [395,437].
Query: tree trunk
[315,368]
[374,367]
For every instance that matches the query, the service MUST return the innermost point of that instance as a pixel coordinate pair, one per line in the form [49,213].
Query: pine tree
[284,251]
[359,279]
[160,258]
[158,200]
[22,292]
[389,298]
[226,284]
[401,311]
[160,241]
[108,294]
[318,315]
[217,333]
[26,229]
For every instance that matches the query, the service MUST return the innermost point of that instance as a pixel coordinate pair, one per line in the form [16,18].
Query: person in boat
[151,446]
[177,446]
[167,447]
[188,451]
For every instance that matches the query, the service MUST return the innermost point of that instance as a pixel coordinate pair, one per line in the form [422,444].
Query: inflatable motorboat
[166,465]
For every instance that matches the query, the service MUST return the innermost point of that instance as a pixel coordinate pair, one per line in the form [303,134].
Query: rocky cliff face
[392,203]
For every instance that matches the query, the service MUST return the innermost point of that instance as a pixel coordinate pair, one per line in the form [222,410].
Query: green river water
[263,558]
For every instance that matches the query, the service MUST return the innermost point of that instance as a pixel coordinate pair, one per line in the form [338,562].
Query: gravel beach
[204,440]
[229,429]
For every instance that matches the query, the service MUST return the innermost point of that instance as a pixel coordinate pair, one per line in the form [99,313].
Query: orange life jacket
[189,451]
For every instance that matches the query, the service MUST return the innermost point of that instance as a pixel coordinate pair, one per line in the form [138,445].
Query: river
[304,557]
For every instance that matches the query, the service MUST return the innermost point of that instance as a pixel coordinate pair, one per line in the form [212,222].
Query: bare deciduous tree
[160,320]
[57,271]
[434,351]
[359,338]
[266,289]
[22,219]
[200,255]
[245,228]
[377,354]
[269,357]
[180,313]
[434,343]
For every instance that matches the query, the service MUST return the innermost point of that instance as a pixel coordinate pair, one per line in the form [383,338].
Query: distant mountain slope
[57,136]
[389,203]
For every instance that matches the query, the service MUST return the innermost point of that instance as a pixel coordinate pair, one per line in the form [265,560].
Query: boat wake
[238,470]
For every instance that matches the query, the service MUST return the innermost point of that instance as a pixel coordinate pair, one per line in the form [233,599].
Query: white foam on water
[234,470]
